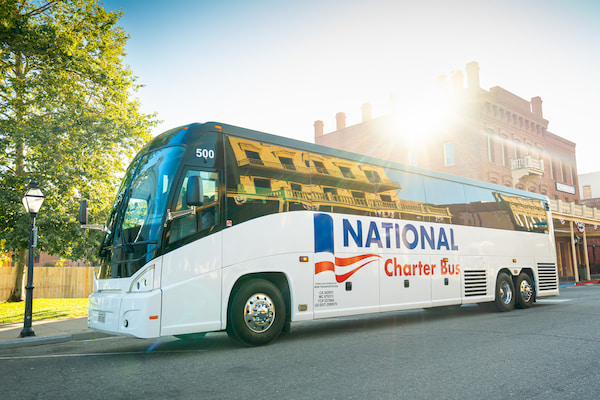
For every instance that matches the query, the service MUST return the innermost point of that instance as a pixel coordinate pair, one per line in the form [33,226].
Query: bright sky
[277,66]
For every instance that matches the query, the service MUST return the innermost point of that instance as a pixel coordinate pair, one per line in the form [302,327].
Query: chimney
[318,128]
[456,78]
[340,119]
[473,75]
[536,106]
[367,112]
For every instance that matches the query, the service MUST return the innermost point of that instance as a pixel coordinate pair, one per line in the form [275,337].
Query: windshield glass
[136,220]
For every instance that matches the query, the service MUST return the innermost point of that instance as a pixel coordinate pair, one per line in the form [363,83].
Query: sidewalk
[47,331]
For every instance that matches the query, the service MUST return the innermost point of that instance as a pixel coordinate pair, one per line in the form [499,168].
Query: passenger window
[445,200]
[185,223]
[264,179]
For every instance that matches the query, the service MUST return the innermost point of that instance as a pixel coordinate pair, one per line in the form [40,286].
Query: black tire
[505,292]
[525,291]
[257,313]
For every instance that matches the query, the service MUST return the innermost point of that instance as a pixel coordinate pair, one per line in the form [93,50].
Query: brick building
[493,136]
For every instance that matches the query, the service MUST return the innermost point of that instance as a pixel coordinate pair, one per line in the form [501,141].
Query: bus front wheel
[505,292]
[257,313]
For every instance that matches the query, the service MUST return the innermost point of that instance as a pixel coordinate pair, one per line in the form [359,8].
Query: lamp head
[33,198]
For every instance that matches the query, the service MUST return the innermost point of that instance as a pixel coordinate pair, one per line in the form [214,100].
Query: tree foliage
[67,118]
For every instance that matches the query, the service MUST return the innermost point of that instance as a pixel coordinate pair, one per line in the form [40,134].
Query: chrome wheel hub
[505,293]
[526,291]
[259,313]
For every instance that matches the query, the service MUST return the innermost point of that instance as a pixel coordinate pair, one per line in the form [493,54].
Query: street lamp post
[32,201]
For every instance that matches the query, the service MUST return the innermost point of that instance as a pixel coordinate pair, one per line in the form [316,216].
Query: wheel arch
[514,274]
[279,279]
[507,271]
[529,271]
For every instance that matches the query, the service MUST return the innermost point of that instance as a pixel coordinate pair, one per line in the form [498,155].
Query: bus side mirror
[194,195]
[83,212]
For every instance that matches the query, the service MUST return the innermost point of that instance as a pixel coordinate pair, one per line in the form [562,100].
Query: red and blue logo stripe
[325,259]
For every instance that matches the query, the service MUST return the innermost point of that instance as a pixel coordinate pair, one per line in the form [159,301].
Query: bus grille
[548,276]
[475,283]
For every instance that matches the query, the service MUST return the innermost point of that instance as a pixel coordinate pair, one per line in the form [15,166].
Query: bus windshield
[137,215]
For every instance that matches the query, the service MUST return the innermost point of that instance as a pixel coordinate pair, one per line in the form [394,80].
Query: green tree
[67,119]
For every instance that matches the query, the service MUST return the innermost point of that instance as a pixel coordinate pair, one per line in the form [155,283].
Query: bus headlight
[144,282]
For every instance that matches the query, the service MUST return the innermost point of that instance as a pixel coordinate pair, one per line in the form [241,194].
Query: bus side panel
[348,289]
[347,271]
[273,243]
[191,284]
[446,282]
[406,281]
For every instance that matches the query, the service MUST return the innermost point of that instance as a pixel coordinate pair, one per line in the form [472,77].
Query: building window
[490,148]
[253,157]
[287,163]
[563,170]
[503,148]
[321,167]
[262,183]
[571,175]
[587,192]
[346,172]
[330,191]
[373,176]
[448,154]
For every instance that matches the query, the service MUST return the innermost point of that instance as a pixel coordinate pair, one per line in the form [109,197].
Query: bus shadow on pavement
[308,330]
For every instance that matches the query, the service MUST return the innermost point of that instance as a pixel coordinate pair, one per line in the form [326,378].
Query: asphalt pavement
[68,329]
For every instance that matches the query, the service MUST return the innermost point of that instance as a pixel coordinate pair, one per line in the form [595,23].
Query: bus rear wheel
[525,291]
[257,313]
[505,292]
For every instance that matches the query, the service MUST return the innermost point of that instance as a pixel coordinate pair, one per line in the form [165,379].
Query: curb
[34,341]
[41,340]
[579,283]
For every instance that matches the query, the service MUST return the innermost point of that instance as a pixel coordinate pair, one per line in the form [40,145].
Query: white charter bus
[216,227]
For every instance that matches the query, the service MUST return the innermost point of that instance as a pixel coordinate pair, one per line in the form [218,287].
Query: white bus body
[254,277]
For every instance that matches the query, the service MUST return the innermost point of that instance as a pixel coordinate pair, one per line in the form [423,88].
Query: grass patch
[44,309]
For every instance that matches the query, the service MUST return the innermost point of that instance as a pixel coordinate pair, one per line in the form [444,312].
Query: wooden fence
[51,282]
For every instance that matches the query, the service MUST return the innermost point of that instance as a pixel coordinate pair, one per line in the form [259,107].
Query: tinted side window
[406,200]
[445,199]
[342,186]
[526,214]
[264,179]
[484,209]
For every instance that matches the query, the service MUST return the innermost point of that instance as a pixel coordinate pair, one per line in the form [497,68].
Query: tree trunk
[17,291]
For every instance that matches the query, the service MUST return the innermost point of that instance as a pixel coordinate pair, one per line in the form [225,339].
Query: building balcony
[526,169]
